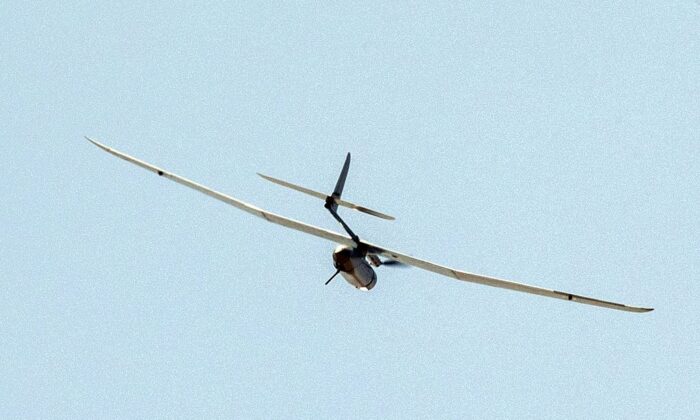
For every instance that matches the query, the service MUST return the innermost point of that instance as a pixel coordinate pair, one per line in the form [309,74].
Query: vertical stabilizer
[338,191]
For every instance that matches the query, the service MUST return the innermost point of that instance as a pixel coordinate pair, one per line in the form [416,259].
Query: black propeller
[332,277]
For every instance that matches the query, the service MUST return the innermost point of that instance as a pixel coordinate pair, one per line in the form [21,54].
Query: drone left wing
[270,217]
[495,282]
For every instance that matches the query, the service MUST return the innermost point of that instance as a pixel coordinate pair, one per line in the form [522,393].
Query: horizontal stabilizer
[322,196]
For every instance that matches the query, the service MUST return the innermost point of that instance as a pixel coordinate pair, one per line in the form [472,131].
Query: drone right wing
[269,216]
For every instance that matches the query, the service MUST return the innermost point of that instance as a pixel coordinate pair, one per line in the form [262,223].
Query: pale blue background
[556,144]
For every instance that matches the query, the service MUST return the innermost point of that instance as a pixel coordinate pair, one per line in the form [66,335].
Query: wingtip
[95,142]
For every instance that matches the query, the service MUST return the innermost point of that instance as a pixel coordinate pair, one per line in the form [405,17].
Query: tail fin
[337,192]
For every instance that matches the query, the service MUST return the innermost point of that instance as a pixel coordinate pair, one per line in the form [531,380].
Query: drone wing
[270,217]
[495,282]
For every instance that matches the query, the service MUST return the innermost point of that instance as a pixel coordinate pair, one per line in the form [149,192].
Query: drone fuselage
[354,267]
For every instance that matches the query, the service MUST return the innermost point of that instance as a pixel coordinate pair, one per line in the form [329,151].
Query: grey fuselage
[354,267]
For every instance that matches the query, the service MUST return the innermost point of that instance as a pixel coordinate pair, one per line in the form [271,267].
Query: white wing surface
[495,282]
[344,240]
[270,217]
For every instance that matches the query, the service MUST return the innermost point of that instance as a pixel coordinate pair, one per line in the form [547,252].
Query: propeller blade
[332,277]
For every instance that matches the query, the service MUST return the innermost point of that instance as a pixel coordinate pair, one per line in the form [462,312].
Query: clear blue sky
[556,144]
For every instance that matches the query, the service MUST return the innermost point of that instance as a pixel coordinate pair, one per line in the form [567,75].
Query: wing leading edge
[344,240]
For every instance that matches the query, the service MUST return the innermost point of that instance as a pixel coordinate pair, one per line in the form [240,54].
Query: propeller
[332,277]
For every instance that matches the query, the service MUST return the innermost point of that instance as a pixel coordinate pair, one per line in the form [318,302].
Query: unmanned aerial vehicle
[354,258]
